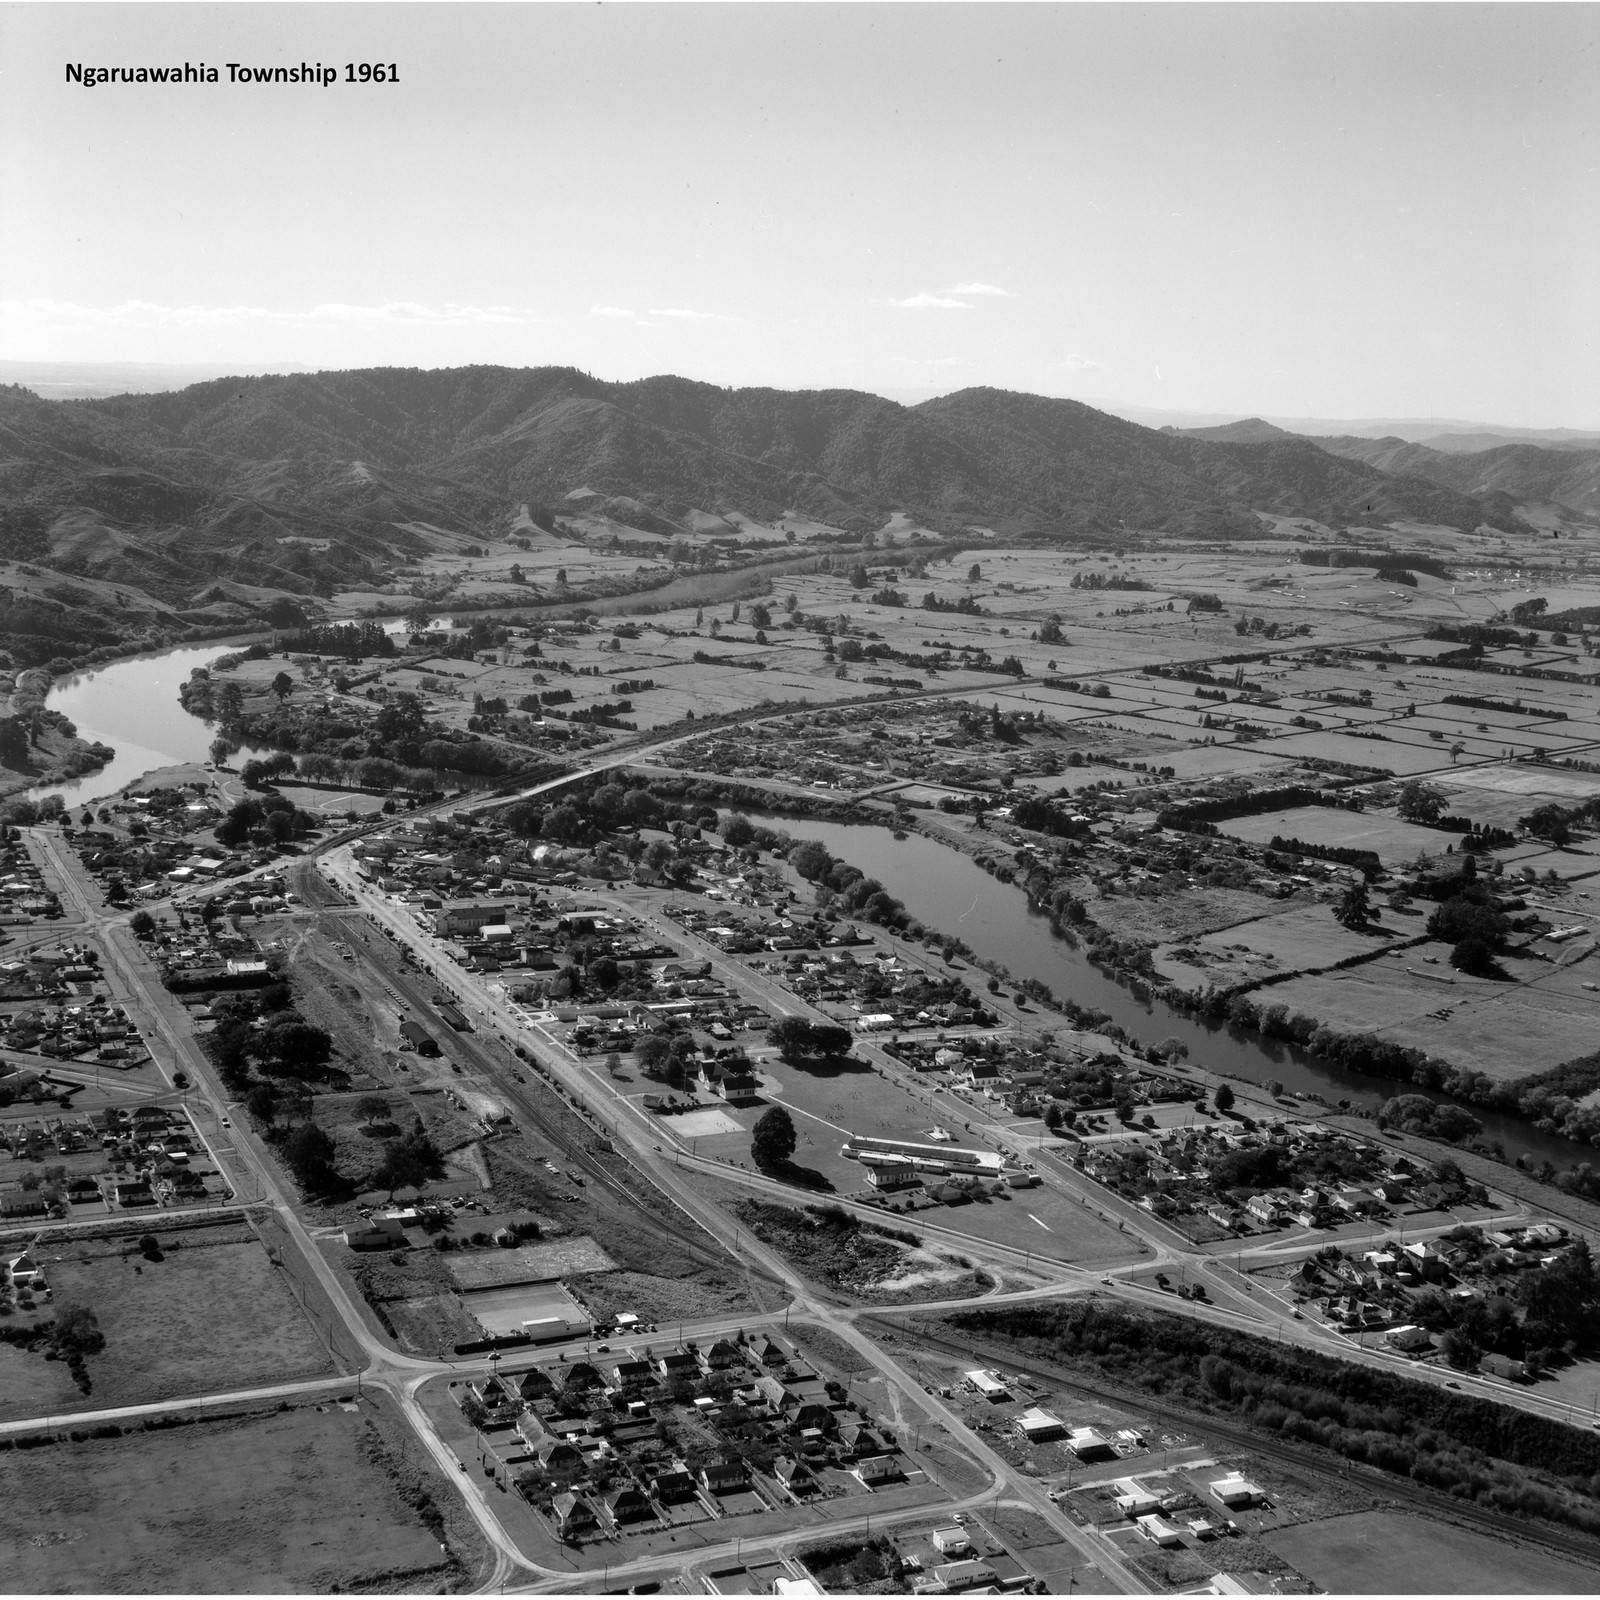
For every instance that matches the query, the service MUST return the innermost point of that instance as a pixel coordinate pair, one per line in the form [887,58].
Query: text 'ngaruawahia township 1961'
[306,72]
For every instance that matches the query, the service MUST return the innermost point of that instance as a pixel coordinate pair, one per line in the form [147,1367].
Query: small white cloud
[1079,364]
[609,311]
[931,302]
[981,288]
[686,315]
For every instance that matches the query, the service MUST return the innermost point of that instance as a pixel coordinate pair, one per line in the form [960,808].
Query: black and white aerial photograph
[799,798]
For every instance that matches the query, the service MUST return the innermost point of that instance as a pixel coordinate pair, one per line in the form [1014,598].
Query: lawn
[212,1315]
[285,1503]
[1385,1552]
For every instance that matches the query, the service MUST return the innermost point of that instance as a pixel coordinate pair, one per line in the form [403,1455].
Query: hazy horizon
[1300,211]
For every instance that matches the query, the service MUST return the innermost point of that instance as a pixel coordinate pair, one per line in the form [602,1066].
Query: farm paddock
[212,1314]
[278,1503]
[1387,1552]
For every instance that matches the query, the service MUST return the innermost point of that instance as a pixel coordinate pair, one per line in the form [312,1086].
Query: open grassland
[212,1314]
[1385,1552]
[1535,1019]
[1307,937]
[298,1502]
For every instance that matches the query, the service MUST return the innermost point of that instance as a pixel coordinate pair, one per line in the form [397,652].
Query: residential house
[1038,1426]
[795,1476]
[1158,1530]
[1235,1490]
[952,1577]
[672,1483]
[860,1439]
[1087,1445]
[625,1505]
[573,1515]
[534,1384]
[1133,1499]
[721,1355]
[876,1471]
[723,1477]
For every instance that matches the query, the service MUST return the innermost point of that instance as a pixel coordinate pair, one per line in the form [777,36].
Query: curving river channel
[133,707]
[948,890]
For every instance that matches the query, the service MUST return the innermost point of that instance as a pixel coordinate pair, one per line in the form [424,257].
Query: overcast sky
[1338,211]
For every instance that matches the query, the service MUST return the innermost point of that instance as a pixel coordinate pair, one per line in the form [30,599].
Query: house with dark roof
[723,1477]
[861,1440]
[673,1483]
[626,1505]
[534,1384]
[811,1414]
[557,1455]
[721,1355]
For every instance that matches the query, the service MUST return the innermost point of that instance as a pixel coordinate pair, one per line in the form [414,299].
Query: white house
[1088,1445]
[1038,1425]
[1410,1338]
[1235,1490]
[1159,1531]
[1133,1499]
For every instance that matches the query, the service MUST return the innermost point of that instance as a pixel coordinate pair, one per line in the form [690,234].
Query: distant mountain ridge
[1563,476]
[208,481]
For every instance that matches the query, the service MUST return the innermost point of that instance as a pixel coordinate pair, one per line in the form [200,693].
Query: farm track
[1405,1492]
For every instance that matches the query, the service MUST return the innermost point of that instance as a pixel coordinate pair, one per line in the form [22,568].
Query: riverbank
[39,744]
[947,888]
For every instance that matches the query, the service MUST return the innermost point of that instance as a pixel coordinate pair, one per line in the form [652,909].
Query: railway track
[1404,1493]
[538,1105]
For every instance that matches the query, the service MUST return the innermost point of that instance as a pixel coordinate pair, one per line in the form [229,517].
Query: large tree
[1421,802]
[1550,822]
[1354,910]
[799,1039]
[772,1140]
[309,1152]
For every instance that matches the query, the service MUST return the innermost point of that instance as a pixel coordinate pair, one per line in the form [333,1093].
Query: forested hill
[1564,476]
[227,470]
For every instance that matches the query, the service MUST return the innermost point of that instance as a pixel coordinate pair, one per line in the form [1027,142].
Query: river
[947,890]
[133,707]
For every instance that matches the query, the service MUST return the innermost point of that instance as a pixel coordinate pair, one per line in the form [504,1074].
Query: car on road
[1450,1383]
